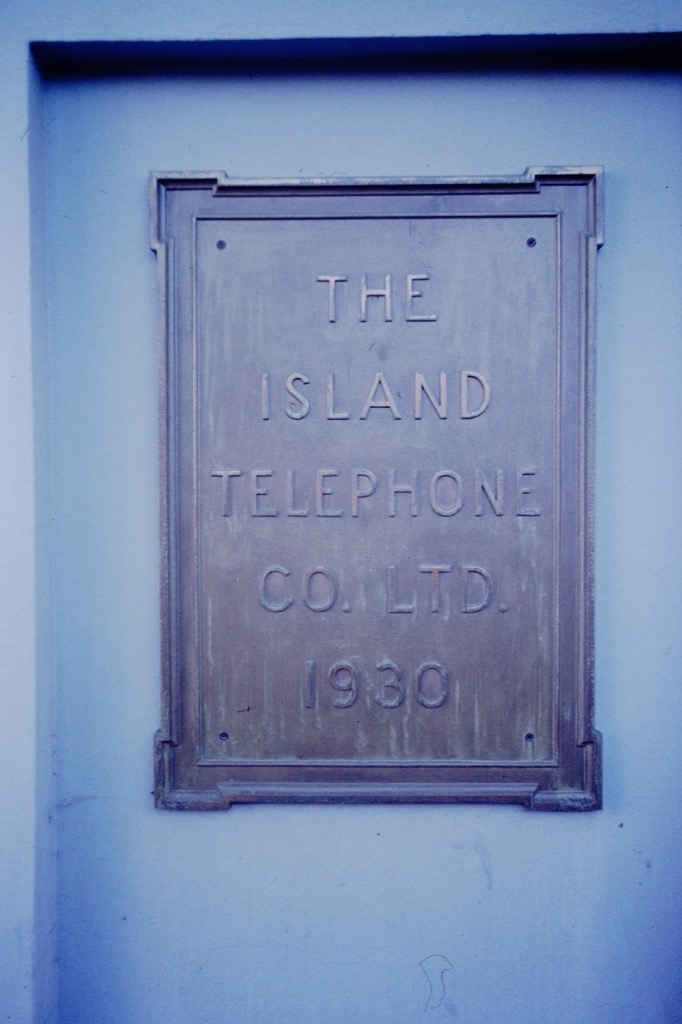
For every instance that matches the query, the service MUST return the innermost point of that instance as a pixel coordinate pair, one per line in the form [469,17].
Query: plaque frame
[188,776]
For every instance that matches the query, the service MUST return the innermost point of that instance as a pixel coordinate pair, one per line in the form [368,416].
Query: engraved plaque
[376,418]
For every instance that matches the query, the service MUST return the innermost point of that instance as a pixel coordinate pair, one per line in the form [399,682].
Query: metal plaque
[376,489]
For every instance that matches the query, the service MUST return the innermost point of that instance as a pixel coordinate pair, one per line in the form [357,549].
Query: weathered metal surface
[376,489]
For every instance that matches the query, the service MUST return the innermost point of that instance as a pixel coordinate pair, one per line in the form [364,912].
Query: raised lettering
[291,497]
[421,387]
[394,488]
[376,293]
[226,475]
[387,402]
[431,684]
[466,412]
[265,395]
[302,408]
[332,413]
[412,293]
[456,504]
[476,579]
[394,683]
[495,498]
[522,490]
[332,280]
[310,685]
[323,491]
[393,605]
[259,492]
[356,493]
[319,597]
[266,599]
[435,572]
[429,695]
[343,676]
[341,491]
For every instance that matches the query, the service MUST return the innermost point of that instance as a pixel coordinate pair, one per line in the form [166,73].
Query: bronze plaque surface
[376,489]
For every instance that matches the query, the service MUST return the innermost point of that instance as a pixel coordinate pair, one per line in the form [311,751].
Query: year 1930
[429,685]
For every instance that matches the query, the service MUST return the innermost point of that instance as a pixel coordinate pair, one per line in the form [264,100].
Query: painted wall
[271,914]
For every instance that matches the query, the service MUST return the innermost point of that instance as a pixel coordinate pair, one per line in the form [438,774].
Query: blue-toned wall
[266,915]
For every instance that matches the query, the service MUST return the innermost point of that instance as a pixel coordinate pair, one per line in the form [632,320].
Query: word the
[414,310]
